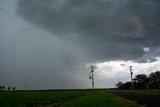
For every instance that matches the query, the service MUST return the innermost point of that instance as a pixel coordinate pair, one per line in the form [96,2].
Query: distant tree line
[143,81]
[3,88]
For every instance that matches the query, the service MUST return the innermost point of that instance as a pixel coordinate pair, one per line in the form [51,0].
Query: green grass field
[147,91]
[29,99]
[101,99]
[70,98]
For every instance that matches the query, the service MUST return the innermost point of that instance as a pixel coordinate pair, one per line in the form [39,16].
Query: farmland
[67,98]
[101,99]
[32,98]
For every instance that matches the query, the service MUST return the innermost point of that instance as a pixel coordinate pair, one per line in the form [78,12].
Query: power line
[45,71]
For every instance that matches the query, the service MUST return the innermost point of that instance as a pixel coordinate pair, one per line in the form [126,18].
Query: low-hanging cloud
[109,30]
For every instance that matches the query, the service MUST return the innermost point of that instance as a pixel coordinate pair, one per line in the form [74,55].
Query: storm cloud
[52,43]
[109,30]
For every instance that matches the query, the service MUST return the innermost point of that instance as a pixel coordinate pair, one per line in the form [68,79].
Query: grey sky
[100,24]
[38,35]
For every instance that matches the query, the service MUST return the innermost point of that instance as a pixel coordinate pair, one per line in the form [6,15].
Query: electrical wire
[45,71]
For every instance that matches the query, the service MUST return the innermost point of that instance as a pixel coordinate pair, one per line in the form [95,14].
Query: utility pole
[114,85]
[25,87]
[91,76]
[131,76]
[92,70]
[118,80]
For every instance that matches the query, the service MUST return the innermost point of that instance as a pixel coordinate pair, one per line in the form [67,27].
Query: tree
[154,80]
[9,88]
[119,85]
[2,87]
[141,81]
[13,88]
[127,86]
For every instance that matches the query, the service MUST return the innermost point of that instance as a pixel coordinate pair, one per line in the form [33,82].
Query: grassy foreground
[147,91]
[34,98]
[101,99]
[71,98]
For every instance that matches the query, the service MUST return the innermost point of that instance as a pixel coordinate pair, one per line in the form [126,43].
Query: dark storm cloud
[108,29]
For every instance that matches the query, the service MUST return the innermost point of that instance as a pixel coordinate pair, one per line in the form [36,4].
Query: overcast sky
[52,43]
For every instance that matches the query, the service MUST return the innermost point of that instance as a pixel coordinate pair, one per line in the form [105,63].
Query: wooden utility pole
[92,70]
[91,76]
[131,76]
[25,87]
